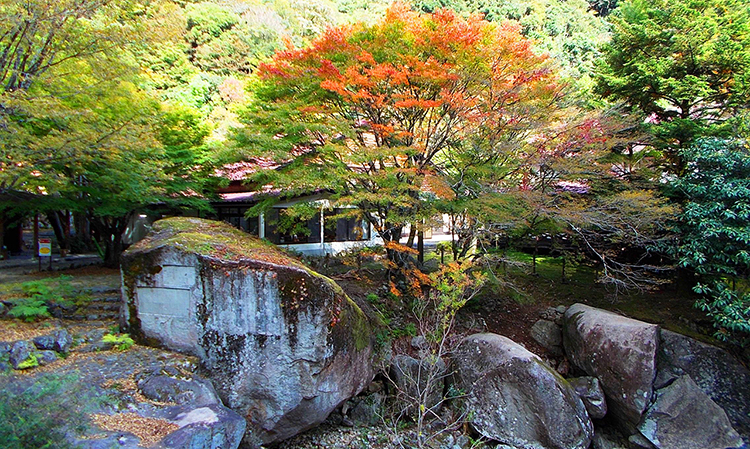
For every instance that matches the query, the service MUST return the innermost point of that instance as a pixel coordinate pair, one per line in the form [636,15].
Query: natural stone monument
[513,397]
[283,345]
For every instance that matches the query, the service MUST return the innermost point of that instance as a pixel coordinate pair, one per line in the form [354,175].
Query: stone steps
[99,308]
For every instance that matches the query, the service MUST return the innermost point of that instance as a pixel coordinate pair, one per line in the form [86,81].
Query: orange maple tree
[375,113]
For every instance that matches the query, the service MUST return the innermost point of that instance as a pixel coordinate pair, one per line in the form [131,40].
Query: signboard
[45,248]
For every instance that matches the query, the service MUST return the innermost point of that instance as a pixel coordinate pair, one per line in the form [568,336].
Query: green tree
[714,230]
[684,64]
[78,134]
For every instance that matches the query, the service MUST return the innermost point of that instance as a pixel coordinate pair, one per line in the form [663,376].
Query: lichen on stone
[212,238]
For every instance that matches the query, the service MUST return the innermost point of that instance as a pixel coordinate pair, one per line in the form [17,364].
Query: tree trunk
[82,228]
[420,247]
[113,250]
[62,232]
[110,230]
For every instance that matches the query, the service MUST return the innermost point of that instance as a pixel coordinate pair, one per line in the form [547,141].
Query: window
[345,229]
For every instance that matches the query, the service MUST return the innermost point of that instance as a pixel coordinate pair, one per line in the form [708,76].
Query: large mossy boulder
[620,352]
[513,397]
[283,345]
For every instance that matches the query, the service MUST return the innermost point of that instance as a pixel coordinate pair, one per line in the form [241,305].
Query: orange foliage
[405,91]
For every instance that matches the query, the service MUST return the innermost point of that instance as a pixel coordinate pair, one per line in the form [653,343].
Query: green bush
[121,342]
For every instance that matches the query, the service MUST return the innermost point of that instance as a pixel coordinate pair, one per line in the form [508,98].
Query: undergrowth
[35,417]
[38,295]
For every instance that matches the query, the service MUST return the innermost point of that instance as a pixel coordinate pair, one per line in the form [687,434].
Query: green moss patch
[215,239]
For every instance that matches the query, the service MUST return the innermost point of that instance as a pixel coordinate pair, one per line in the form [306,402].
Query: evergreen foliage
[684,64]
[714,230]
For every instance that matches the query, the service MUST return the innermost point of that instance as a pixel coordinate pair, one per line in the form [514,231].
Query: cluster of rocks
[40,351]
[284,347]
[660,389]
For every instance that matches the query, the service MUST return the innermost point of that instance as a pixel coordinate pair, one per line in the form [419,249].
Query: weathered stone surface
[684,417]
[420,342]
[605,439]
[367,411]
[282,344]
[554,314]
[58,341]
[210,427]
[513,397]
[63,340]
[549,335]
[725,380]
[176,388]
[418,382]
[46,357]
[620,352]
[21,354]
[592,395]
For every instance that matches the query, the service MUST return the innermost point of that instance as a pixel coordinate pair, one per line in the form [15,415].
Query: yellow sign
[45,247]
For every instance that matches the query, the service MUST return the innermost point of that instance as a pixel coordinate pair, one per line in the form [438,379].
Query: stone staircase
[104,305]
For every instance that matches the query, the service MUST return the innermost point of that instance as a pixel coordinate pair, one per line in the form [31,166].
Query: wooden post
[36,235]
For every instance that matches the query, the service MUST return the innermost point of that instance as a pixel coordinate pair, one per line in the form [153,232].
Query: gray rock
[4,349]
[419,342]
[46,357]
[513,397]
[21,352]
[592,395]
[418,383]
[44,342]
[605,439]
[463,441]
[282,345]
[639,441]
[4,366]
[211,427]
[63,341]
[554,314]
[368,411]
[164,388]
[549,335]
[620,352]
[59,341]
[684,417]
[716,372]
[118,441]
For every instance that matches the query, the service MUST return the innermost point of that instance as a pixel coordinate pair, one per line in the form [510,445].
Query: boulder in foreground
[620,352]
[514,398]
[282,344]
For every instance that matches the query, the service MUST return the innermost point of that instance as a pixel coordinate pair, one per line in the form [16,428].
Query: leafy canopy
[684,63]
[369,112]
